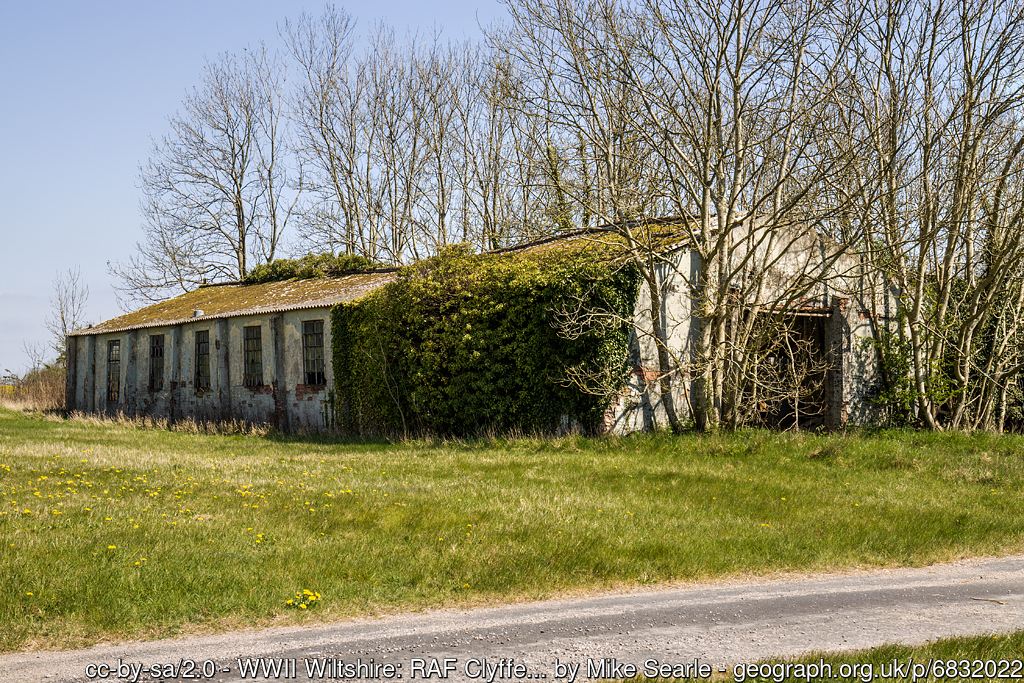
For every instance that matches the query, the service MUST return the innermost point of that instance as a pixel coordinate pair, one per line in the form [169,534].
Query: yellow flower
[111,547]
[302,607]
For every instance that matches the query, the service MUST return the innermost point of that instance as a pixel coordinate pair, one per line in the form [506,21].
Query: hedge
[309,266]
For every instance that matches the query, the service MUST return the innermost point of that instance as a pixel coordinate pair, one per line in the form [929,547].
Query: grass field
[110,531]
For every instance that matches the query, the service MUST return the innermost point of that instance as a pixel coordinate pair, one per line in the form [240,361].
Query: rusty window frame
[114,370]
[313,352]
[156,362]
[202,359]
[253,353]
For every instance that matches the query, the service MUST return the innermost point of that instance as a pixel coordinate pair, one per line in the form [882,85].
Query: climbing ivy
[463,343]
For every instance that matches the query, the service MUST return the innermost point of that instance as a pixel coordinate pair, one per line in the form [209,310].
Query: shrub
[41,388]
[309,266]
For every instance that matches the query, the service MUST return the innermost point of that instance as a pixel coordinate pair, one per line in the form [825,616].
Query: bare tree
[216,187]
[410,145]
[721,115]
[939,87]
[67,309]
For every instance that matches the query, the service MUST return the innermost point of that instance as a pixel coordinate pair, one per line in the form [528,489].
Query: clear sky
[84,86]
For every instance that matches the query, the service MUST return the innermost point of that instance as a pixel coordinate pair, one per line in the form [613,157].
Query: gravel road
[719,624]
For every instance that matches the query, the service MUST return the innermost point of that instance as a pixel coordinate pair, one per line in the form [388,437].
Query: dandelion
[111,547]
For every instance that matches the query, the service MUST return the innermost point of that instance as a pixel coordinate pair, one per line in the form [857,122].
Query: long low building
[262,353]
[257,353]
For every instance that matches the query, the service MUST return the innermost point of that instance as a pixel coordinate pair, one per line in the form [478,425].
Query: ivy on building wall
[463,343]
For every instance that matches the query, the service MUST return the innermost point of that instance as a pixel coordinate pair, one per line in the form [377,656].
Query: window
[156,362]
[253,357]
[113,371]
[313,351]
[203,359]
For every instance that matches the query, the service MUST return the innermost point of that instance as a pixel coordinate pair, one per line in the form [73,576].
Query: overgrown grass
[40,389]
[985,658]
[112,531]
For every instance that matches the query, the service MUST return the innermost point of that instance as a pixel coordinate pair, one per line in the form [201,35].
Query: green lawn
[110,531]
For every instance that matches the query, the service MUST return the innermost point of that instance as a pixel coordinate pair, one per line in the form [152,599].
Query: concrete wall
[639,406]
[283,400]
[859,304]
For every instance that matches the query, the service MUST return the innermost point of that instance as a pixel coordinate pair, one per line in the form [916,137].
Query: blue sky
[84,86]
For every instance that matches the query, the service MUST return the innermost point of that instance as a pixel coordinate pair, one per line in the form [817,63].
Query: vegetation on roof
[310,266]
[325,279]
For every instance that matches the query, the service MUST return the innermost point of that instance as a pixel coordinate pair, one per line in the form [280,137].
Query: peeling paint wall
[283,399]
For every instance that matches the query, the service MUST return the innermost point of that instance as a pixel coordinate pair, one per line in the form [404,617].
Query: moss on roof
[660,235]
[224,301]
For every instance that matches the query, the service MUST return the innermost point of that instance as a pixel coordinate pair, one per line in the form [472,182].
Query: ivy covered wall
[463,343]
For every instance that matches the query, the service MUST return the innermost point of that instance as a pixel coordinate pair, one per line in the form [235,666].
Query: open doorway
[787,387]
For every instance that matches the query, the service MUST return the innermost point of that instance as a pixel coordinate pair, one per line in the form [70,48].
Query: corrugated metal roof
[230,300]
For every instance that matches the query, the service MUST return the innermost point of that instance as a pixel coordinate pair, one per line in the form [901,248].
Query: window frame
[157,353]
[202,373]
[113,370]
[314,367]
[252,355]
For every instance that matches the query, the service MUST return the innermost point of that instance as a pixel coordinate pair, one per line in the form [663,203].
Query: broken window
[253,357]
[156,362]
[313,351]
[113,371]
[203,359]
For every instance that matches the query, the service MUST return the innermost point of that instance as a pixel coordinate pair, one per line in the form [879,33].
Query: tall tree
[940,87]
[67,309]
[408,146]
[720,114]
